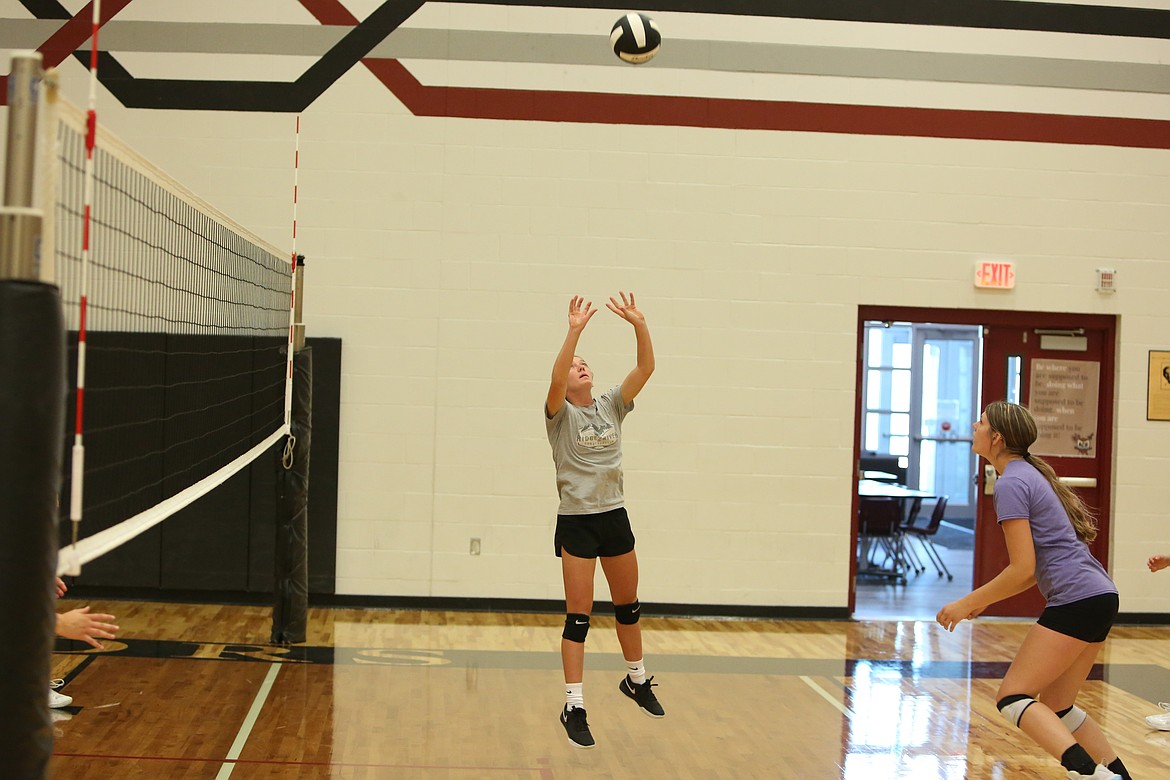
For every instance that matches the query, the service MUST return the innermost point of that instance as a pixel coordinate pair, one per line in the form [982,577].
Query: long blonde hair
[1017,426]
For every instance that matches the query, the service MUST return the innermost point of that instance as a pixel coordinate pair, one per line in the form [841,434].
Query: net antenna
[296,330]
[77,482]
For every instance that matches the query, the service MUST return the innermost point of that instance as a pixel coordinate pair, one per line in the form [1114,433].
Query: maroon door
[1010,350]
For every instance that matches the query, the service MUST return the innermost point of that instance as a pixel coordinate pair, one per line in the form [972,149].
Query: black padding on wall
[325,455]
[124,410]
[223,541]
[205,545]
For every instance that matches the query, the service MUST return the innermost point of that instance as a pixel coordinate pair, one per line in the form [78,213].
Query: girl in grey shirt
[586,439]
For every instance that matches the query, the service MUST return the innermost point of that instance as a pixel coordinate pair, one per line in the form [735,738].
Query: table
[881,513]
[872,488]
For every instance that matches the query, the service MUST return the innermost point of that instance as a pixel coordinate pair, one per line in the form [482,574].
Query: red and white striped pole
[78,472]
[292,309]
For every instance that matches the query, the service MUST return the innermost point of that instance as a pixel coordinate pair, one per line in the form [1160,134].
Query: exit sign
[995,274]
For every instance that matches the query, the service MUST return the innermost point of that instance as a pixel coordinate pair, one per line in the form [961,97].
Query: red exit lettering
[1000,275]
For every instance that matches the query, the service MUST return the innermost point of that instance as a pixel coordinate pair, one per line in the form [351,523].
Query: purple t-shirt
[1065,569]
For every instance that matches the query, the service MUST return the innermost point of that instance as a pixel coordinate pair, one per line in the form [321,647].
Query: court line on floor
[225,771]
[827,696]
[513,770]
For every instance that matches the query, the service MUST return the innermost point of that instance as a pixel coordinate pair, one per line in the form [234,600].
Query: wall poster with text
[1063,399]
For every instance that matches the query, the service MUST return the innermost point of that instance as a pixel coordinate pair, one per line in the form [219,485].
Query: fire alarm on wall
[1106,280]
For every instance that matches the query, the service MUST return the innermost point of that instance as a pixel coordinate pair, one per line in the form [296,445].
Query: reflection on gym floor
[195,692]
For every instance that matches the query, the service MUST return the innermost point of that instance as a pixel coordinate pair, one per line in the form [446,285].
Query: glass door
[945,384]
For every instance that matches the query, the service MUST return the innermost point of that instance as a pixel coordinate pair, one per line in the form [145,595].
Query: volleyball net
[178,323]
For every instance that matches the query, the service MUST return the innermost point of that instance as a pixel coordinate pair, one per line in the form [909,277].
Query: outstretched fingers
[98,627]
[580,310]
[627,309]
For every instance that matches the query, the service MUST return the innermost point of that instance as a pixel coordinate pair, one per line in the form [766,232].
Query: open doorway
[922,377]
[919,395]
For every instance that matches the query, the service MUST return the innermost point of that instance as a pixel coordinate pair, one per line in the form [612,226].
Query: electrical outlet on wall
[475,545]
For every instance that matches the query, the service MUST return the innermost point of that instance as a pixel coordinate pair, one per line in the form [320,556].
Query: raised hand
[580,310]
[627,309]
[1158,562]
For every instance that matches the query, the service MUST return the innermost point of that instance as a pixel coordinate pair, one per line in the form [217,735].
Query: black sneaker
[577,728]
[642,695]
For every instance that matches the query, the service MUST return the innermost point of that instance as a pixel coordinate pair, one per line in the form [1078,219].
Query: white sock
[637,671]
[574,695]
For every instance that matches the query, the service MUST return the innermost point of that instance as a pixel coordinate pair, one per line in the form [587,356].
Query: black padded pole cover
[290,612]
[32,419]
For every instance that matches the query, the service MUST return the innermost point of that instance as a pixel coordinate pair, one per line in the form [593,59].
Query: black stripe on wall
[982,14]
[289,97]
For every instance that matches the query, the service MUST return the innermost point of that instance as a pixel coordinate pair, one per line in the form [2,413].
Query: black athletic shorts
[1088,620]
[605,534]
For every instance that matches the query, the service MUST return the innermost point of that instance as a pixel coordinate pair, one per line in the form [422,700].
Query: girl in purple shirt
[1047,529]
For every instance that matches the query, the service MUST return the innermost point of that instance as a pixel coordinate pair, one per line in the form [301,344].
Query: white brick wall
[443,253]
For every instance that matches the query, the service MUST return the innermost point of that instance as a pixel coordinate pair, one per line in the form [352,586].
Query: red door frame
[992,318]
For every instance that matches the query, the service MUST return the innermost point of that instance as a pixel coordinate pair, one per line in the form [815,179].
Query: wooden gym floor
[191,691]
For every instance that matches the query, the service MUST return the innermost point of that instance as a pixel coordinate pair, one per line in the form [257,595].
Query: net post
[20,223]
[48,172]
[290,611]
[32,411]
[298,301]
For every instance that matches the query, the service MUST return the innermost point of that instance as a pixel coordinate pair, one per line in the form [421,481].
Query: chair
[924,533]
[910,556]
[880,526]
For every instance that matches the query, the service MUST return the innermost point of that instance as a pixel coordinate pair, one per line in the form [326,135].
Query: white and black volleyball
[635,38]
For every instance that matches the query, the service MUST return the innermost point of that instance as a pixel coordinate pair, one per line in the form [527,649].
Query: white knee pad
[1012,707]
[1073,718]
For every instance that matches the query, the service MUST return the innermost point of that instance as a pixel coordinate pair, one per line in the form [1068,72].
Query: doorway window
[921,389]
[945,386]
[887,390]
[1015,369]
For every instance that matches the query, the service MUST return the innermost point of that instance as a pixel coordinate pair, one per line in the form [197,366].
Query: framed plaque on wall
[1158,391]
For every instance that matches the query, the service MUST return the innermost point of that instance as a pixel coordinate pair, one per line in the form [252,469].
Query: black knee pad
[628,614]
[576,627]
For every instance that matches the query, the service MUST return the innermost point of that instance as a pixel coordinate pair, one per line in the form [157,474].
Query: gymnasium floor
[193,691]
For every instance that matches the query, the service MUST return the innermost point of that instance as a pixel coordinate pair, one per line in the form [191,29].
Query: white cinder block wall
[444,251]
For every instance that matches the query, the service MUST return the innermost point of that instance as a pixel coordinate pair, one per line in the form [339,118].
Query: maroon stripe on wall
[330,12]
[677,111]
[604,108]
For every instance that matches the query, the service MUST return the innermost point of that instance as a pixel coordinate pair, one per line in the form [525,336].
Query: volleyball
[635,38]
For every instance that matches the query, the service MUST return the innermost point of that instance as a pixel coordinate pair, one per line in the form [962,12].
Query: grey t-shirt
[1065,569]
[587,450]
